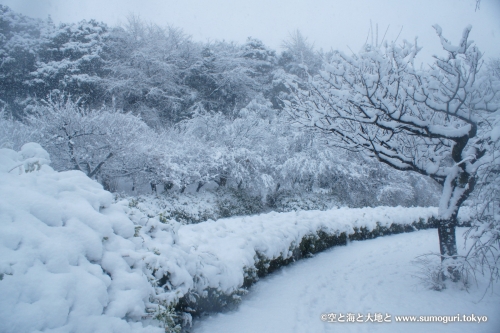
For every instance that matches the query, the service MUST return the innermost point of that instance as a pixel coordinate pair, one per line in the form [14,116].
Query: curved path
[373,276]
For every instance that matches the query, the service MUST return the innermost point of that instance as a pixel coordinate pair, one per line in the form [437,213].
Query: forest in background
[145,106]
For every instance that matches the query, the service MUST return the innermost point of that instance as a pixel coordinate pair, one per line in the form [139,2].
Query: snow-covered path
[373,276]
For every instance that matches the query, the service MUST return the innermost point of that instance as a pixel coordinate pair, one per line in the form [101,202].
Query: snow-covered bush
[203,267]
[186,209]
[64,252]
[238,202]
[13,134]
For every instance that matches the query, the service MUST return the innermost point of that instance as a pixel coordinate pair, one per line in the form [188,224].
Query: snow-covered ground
[73,260]
[371,276]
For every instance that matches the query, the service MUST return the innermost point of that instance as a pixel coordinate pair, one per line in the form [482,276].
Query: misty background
[329,24]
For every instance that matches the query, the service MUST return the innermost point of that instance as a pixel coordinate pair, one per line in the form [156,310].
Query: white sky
[327,23]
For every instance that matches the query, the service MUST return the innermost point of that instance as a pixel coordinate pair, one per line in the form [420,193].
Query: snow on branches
[422,120]
[98,142]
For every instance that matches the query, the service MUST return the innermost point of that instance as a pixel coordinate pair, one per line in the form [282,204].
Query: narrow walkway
[373,276]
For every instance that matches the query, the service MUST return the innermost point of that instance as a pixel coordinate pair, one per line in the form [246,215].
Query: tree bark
[168,185]
[448,246]
[462,184]
[222,181]
[98,167]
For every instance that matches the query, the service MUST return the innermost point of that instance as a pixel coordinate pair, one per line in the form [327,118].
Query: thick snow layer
[216,254]
[234,242]
[371,276]
[61,252]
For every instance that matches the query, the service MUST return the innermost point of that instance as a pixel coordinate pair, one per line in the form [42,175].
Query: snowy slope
[372,276]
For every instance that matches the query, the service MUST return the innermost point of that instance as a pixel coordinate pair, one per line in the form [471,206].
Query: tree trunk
[222,181]
[448,247]
[98,167]
[457,187]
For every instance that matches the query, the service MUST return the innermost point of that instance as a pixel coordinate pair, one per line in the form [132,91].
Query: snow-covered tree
[103,144]
[299,57]
[70,60]
[235,147]
[147,67]
[261,153]
[484,253]
[20,39]
[420,120]
[227,76]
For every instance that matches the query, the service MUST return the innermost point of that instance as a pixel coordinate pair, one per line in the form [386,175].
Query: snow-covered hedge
[207,266]
[63,252]
[71,260]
